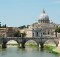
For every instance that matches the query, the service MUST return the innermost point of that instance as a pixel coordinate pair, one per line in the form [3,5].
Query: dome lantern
[43,11]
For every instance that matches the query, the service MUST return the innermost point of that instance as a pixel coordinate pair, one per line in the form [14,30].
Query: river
[26,52]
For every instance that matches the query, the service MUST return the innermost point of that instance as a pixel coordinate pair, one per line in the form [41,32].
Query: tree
[22,27]
[17,34]
[23,34]
[28,26]
[4,26]
[57,30]
[0,24]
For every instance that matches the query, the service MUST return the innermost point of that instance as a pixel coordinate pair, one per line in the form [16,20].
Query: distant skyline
[25,12]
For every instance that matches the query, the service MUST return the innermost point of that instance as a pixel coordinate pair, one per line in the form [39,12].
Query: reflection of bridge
[22,40]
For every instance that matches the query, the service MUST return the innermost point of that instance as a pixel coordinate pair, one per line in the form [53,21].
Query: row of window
[44,21]
[36,34]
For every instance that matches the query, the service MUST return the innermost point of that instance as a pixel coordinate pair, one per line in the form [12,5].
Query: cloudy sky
[24,12]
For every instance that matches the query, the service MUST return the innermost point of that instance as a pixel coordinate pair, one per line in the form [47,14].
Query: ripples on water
[26,52]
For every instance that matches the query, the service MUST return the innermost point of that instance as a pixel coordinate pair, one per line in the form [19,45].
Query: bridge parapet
[23,40]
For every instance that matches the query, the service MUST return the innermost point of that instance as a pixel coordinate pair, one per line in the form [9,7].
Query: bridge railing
[47,37]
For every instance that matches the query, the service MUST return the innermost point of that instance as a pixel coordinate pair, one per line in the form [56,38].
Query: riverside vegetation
[51,49]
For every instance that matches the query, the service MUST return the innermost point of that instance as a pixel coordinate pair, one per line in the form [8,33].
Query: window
[36,33]
[33,34]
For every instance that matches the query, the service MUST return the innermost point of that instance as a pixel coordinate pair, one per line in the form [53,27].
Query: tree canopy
[22,27]
[57,30]
[18,34]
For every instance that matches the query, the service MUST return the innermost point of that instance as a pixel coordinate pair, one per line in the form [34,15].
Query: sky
[25,12]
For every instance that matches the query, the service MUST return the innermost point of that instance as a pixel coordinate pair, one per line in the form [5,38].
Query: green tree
[22,27]
[17,34]
[4,26]
[57,30]
[23,34]
[28,26]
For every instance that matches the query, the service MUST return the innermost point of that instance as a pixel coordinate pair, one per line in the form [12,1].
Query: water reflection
[26,52]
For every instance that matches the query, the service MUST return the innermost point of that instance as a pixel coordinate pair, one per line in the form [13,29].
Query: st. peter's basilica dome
[43,18]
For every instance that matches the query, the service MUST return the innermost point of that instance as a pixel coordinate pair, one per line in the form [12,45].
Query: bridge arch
[32,41]
[12,42]
[50,42]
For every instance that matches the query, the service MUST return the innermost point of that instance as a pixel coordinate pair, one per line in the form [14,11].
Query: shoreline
[52,49]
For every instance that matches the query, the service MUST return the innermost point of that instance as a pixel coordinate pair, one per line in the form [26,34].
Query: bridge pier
[4,45]
[42,46]
[23,45]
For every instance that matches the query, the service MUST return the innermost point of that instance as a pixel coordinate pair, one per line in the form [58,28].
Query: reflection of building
[42,27]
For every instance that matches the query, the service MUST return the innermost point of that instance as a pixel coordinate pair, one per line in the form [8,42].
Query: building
[3,32]
[41,28]
[10,31]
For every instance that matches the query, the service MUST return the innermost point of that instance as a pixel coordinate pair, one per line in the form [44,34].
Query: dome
[44,18]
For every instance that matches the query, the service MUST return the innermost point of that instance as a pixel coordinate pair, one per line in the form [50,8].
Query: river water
[26,52]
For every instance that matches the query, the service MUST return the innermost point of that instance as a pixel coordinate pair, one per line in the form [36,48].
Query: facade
[3,32]
[10,31]
[41,28]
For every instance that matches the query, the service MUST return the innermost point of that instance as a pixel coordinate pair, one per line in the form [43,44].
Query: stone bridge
[22,40]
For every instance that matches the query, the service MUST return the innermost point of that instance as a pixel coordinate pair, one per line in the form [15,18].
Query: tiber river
[14,51]
[26,52]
